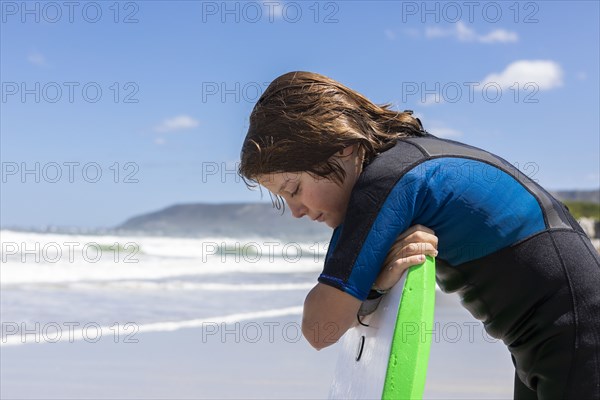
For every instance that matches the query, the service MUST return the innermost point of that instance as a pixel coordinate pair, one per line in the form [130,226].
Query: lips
[319,218]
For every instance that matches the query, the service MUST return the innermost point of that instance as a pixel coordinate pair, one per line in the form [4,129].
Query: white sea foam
[12,273]
[183,285]
[171,246]
[57,258]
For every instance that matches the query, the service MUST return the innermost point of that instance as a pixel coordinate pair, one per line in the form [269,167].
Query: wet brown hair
[304,118]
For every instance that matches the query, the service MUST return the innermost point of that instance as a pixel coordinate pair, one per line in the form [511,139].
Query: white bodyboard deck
[362,366]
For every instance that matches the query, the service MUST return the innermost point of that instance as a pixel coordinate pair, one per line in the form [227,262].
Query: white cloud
[37,59]
[390,34]
[412,32]
[499,35]
[178,123]
[581,75]
[544,74]
[159,141]
[465,34]
[436,32]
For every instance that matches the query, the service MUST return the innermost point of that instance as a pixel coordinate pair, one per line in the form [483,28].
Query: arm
[330,312]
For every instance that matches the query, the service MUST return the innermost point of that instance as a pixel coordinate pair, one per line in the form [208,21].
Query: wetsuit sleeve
[377,213]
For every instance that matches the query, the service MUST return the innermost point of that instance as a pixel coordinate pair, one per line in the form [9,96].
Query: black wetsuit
[518,259]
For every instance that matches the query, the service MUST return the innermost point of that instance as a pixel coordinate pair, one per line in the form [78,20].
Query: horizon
[116,226]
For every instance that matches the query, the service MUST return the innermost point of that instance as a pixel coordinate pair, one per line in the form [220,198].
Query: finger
[393,271]
[419,248]
[411,250]
[406,262]
[414,242]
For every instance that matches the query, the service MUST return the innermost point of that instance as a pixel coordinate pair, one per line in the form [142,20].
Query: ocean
[56,284]
[130,317]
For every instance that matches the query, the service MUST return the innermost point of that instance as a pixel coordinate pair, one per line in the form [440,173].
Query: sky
[114,109]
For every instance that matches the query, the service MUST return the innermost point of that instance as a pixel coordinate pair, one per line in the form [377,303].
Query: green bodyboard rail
[409,354]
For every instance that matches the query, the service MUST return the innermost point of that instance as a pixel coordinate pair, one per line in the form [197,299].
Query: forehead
[276,181]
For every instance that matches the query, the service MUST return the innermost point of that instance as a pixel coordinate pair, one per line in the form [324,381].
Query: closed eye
[296,191]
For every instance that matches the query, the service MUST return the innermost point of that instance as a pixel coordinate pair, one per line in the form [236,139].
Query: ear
[346,151]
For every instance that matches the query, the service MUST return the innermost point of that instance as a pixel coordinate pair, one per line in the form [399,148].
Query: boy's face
[319,198]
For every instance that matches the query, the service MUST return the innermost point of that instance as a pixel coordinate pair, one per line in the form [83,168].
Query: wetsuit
[518,259]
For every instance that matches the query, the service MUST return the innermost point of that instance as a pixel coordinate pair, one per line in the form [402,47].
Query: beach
[180,323]
[187,364]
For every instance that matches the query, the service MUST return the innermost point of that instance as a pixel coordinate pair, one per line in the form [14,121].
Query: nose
[298,209]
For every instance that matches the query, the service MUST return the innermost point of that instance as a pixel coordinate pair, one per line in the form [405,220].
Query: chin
[332,224]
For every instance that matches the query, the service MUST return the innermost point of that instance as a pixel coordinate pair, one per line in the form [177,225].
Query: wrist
[372,301]
[376,292]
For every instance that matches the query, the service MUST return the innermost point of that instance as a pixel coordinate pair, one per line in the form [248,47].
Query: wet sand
[256,359]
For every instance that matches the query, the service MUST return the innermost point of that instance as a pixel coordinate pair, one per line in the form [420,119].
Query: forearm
[328,314]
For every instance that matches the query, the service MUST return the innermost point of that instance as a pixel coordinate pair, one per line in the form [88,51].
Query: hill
[230,219]
[588,196]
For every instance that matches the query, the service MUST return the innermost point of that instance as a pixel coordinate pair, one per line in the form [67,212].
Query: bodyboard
[388,358]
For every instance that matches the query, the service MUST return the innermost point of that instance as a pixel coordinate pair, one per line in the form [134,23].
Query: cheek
[332,199]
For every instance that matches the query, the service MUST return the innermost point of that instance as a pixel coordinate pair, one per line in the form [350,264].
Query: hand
[409,249]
